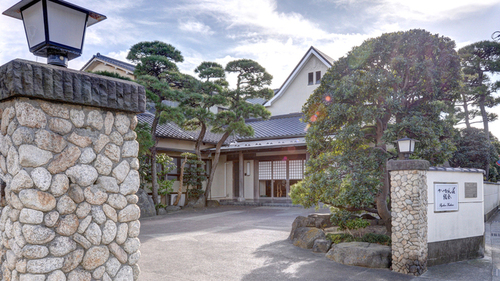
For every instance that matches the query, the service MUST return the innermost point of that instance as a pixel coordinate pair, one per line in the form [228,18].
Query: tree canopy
[252,82]
[399,84]
[479,60]
[157,72]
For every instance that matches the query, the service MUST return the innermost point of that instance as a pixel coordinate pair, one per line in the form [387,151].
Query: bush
[340,237]
[377,238]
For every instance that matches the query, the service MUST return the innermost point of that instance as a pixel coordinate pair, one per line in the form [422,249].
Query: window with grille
[276,170]
[296,169]
[265,170]
[279,170]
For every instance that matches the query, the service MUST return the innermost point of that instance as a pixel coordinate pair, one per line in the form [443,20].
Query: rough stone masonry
[409,215]
[68,155]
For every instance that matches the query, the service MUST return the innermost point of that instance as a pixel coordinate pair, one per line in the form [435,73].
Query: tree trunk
[484,115]
[381,198]
[215,162]
[201,136]
[466,112]
[181,183]
[154,172]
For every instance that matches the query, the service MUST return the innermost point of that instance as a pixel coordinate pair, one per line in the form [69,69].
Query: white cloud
[260,16]
[195,27]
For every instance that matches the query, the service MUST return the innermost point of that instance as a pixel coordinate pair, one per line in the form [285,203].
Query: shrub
[340,237]
[377,238]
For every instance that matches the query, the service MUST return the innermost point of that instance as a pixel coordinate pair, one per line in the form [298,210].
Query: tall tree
[252,82]
[198,104]
[478,60]
[392,86]
[157,71]
[474,150]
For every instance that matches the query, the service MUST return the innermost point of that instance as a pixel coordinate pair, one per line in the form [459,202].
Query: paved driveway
[250,243]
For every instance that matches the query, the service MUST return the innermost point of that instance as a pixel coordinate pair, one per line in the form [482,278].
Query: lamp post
[406,146]
[55,29]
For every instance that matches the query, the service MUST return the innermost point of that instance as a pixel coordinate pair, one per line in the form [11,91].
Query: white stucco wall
[222,184]
[491,196]
[468,221]
[249,180]
[297,93]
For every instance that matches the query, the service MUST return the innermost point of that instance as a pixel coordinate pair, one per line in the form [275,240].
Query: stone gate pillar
[409,215]
[68,155]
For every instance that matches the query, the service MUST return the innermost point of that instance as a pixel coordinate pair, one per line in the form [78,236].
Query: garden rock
[322,245]
[361,254]
[146,204]
[304,237]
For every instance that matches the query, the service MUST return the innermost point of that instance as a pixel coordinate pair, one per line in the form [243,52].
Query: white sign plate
[446,197]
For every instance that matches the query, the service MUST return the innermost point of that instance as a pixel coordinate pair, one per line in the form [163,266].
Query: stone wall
[409,216]
[71,174]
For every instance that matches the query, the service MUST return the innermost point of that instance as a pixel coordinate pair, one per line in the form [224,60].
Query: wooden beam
[242,177]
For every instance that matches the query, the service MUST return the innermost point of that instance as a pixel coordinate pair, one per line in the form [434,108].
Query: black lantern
[406,146]
[55,29]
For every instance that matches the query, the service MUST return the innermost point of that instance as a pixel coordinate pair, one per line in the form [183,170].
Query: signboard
[446,197]
[498,162]
[470,190]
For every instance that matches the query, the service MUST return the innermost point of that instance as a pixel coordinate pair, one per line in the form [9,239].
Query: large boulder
[361,254]
[146,204]
[321,220]
[299,222]
[304,237]
[316,220]
[322,245]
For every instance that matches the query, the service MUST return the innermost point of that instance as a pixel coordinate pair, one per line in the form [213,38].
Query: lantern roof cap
[406,138]
[15,11]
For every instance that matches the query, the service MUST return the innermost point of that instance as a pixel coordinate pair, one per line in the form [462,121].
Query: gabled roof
[328,61]
[107,60]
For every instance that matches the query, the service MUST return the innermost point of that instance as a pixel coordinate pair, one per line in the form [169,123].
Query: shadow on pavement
[287,262]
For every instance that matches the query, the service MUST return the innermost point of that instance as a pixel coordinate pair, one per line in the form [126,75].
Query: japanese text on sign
[446,197]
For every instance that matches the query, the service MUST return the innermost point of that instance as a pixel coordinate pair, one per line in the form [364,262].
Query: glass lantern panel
[66,26]
[404,146]
[412,146]
[33,24]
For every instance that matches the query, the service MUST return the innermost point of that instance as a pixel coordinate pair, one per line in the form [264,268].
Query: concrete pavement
[250,243]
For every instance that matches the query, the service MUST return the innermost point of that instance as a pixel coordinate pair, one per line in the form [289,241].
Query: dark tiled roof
[257,101]
[124,65]
[282,126]
[277,127]
[172,130]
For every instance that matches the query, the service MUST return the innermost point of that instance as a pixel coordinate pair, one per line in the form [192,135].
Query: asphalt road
[250,243]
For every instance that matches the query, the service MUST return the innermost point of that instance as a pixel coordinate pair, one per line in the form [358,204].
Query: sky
[275,33]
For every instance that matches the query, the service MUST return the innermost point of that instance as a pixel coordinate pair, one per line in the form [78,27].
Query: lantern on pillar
[406,146]
[55,29]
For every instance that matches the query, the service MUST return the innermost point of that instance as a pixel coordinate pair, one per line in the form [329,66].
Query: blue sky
[274,33]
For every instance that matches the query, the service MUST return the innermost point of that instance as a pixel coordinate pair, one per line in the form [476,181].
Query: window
[318,77]
[275,177]
[311,78]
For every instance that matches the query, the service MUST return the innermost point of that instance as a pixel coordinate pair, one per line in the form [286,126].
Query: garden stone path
[250,243]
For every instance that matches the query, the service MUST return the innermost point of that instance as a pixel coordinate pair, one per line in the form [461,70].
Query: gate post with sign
[409,215]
